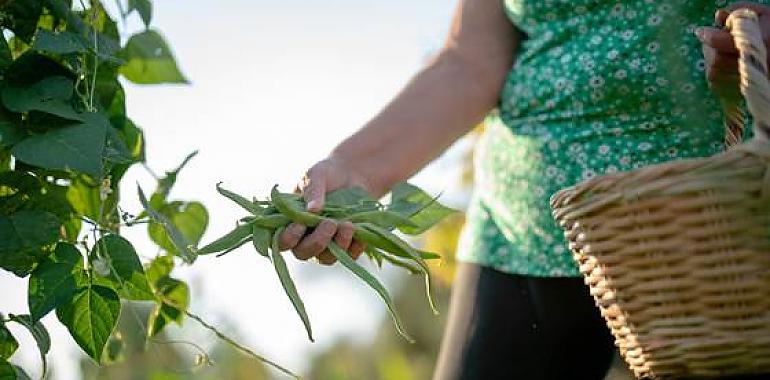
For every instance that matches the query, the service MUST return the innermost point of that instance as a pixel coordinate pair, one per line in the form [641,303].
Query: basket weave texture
[677,255]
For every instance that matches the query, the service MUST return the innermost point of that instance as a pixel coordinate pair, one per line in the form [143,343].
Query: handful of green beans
[411,211]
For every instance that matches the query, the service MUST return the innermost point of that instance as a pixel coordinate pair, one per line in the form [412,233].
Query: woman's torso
[597,87]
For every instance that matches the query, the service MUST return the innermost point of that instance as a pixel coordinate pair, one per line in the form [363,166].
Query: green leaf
[10,134]
[84,198]
[288,284]
[51,95]
[5,54]
[189,218]
[149,60]
[8,343]
[38,331]
[41,336]
[22,238]
[115,150]
[375,284]
[423,210]
[51,198]
[159,267]
[182,245]
[78,147]
[21,16]
[55,281]
[61,42]
[228,241]
[165,184]
[349,196]
[382,218]
[7,371]
[72,228]
[134,140]
[126,271]
[260,238]
[175,298]
[240,200]
[90,318]
[32,67]
[144,8]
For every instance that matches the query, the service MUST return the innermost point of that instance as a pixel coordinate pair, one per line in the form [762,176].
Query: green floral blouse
[597,87]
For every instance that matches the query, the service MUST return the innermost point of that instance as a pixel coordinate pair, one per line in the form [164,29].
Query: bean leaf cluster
[410,211]
[66,142]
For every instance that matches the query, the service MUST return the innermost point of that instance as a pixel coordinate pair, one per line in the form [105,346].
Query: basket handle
[743,24]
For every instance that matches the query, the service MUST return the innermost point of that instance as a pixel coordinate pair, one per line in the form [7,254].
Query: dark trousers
[504,326]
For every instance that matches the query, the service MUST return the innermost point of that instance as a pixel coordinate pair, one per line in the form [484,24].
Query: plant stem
[238,346]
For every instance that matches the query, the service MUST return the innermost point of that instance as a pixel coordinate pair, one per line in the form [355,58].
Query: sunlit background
[274,86]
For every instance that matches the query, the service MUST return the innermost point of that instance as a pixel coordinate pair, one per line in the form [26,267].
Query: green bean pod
[375,284]
[228,241]
[361,233]
[272,222]
[381,218]
[241,201]
[393,260]
[261,239]
[291,208]
[404,247]
[234,247]
[288,284]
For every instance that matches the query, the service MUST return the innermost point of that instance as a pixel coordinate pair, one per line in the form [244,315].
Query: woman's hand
[719,49]
[325,176]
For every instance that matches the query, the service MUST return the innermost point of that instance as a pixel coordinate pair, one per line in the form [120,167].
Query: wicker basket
[677,255]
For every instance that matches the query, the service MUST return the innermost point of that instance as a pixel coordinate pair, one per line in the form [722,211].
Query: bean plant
[66,142]
[410,211]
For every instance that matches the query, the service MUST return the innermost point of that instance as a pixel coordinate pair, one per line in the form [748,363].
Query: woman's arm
[442,102]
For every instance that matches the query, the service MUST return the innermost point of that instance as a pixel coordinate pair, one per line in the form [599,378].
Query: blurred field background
[275,85]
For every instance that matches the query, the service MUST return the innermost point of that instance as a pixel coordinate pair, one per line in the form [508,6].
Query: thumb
[314,192]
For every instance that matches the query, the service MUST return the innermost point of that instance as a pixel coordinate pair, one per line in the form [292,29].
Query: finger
[758,8]
[718,39]
[317,241]
[723,67]
[720,17]
[356,249]
[344,235]
[291,236]
[326,258]
[314,190]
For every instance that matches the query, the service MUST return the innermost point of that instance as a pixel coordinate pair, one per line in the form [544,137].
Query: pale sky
[275,85]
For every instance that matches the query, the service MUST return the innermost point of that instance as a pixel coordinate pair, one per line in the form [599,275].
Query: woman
[597,87]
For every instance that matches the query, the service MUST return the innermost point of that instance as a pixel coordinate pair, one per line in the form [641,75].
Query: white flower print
[588,174]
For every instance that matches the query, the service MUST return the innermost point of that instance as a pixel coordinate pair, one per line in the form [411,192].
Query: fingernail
[313,205]
[700,33]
